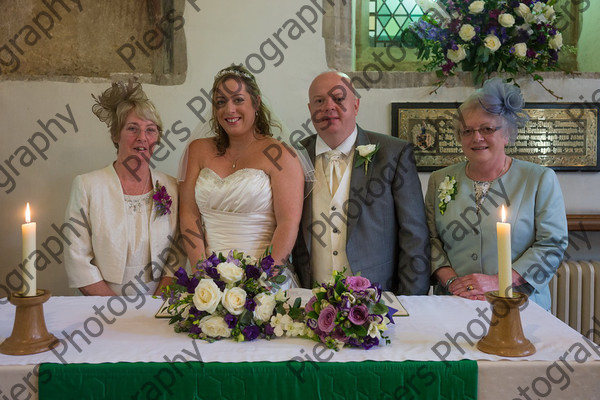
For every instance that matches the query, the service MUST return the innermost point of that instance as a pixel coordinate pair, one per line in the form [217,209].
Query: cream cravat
[336,166]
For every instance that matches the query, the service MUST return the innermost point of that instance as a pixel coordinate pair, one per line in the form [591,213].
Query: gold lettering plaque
[561,136]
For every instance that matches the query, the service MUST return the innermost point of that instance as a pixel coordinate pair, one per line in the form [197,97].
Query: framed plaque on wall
[561,136]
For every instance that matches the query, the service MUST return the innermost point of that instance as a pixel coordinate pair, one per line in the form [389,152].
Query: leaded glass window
[389,18]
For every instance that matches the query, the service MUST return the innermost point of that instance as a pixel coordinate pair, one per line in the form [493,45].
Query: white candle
[28,232]
[504,257]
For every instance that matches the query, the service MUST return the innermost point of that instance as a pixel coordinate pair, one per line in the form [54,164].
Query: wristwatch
[449,282]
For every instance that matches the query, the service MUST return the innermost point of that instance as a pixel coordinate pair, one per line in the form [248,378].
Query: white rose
[466,32]
[230,272]
[523,10]
[365,149]
[234,300]
[458,55]
[207,296]
[492,42]
[556,41]
[506,20]
[476,7]
[538,7]
[520,49]
[265,303]
[549,13]
[214,326]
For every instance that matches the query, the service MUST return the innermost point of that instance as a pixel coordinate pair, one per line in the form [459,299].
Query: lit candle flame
[503,212]
[27,214]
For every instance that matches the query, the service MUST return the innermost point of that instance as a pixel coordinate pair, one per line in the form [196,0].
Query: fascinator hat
[115,103]
[499,98]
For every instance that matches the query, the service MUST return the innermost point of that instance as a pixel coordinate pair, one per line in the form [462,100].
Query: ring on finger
[470,287]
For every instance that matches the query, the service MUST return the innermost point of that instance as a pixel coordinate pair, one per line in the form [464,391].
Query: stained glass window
[389,18]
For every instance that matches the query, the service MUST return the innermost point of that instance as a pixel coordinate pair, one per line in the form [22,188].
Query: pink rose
[358,314]
[326,321]
[358,283]
[309,304]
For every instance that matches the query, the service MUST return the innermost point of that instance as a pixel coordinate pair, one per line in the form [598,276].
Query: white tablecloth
[102,329]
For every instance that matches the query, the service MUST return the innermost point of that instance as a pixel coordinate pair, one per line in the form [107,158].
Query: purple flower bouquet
[348,311]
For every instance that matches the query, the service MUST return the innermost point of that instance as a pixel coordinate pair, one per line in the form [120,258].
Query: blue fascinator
[500,98]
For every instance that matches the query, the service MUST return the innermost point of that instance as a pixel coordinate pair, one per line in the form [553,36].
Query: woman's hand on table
[474,286]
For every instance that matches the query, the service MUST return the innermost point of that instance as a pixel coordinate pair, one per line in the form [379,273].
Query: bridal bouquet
[348,311]
[489,36]
[232,297]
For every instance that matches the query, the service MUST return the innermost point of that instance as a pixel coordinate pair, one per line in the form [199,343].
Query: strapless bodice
[237,211]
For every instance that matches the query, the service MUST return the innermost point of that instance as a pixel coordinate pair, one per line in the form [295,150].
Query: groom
[365,213]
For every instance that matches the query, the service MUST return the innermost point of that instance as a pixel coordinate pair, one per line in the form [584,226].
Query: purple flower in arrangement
[220,284]
[184,280]
[250,332]
[326,321]
[309,304]
[232,259]
[250,304]
[338,334]
[312,323]
[162,200]
[494,14]
[358,283]
[230,320]
[267,263]
[531,53]
[269,330]
[446,68]
[195,329]
[252,272]
[212,272]
[358,314]
[345,303]
[369,342]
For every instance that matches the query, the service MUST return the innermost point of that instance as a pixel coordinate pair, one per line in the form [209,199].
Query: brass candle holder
[29,334]
[505,336]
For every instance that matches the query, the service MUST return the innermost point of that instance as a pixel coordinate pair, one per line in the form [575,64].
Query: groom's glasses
[484,131]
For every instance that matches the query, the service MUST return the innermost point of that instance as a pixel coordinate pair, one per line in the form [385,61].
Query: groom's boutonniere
[447,192]
[365,154]
[162,200]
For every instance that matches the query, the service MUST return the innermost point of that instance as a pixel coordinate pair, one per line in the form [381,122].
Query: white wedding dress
[237,213]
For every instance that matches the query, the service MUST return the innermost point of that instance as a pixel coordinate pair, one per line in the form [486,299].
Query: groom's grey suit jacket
[387,234]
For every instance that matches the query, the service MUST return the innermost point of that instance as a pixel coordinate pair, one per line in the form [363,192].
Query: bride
[234,196]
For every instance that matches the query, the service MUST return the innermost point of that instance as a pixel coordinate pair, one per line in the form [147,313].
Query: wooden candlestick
[505,336]
[29,334]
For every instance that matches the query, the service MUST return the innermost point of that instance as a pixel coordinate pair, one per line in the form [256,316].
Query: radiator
[575,291]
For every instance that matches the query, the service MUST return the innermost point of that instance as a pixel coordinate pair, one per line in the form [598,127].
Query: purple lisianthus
[195,312]
[252,272]
[184,280]
[345,303]
[220,284]
[531,53]
[267,263]
[309,304]
[195,329]
[369,342]
[494,14]
[312,323]
[269,330]
[231,320]
[212,272]
[326,321]
[358,314]
[250,332]
[250,304]
[358,283]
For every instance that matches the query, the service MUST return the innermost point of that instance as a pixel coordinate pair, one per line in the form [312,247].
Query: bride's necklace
[234,163]
[504,168]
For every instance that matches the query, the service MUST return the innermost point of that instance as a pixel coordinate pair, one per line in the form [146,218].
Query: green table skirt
[260,380]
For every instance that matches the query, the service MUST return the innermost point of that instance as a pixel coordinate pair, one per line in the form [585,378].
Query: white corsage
[447,192]
[365,155]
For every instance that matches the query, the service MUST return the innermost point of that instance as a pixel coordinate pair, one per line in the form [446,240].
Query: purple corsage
[162,200]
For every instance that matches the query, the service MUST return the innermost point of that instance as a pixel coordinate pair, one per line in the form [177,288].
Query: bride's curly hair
[263,123]
[115,103]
